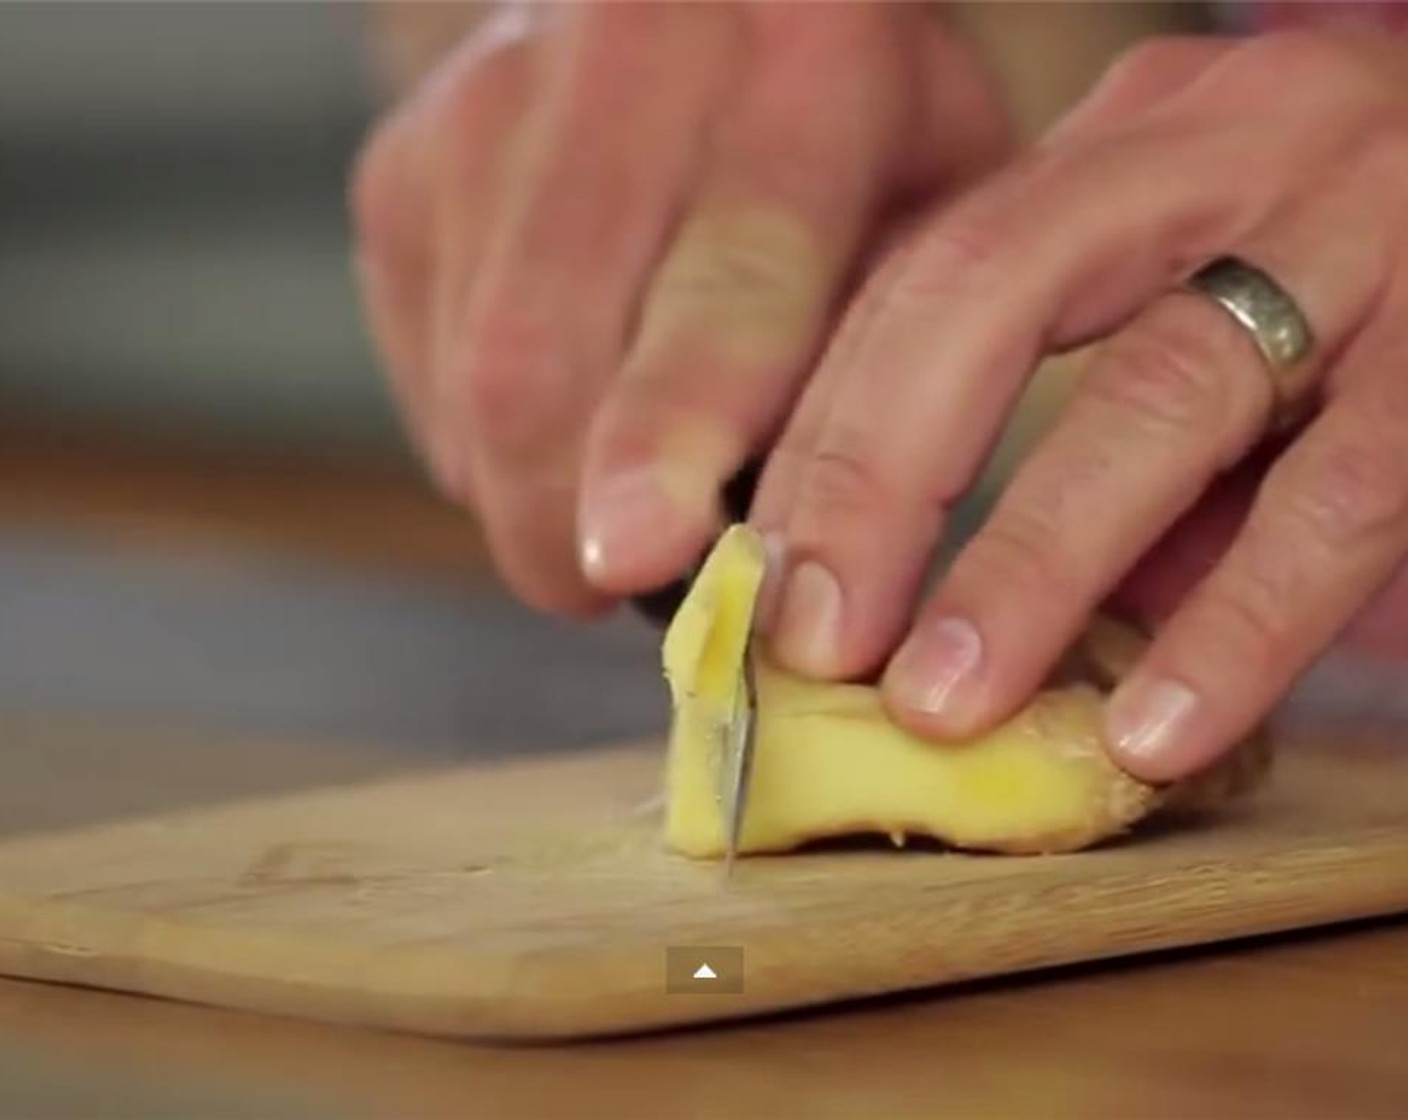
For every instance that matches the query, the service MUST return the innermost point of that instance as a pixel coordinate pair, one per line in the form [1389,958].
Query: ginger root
[829,762]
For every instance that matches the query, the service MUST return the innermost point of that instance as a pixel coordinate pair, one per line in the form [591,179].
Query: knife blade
[736,753]
[738,757]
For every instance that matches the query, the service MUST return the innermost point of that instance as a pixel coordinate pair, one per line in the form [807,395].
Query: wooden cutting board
[534,900]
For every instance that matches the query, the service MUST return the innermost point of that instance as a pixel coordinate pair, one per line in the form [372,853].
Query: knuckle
[508,25]
[1247,606]
[1021,552]
[505,380]
[1382,140]
[967,250]
[1332,63]
[1162,376]
[1245,616]
[955,256]
[604,27]
[1147,64]
[604,47]
[827,33]
[839,480]
[726,266]
[785,170]
[1386,127]
[474,91]
[462,111]
[1351,490]
[644,420]
[481,88]
[1324,73]
[744,289]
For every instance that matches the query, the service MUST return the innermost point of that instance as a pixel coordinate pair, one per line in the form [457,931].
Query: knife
[737,763]
[659,606]
[736,755]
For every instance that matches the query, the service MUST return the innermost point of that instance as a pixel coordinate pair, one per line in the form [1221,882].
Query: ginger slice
[829,762]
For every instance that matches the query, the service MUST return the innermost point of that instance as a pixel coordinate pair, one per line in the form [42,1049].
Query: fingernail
[770,590]
[629,509]
[809,620]
[933,665]
[1147,721]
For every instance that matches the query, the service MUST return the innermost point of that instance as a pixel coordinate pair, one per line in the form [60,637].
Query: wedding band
[1272,318]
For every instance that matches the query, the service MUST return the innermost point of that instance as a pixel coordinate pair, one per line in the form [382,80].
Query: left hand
[1287,151]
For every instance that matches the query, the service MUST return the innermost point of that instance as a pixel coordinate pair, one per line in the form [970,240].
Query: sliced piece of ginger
[829,761]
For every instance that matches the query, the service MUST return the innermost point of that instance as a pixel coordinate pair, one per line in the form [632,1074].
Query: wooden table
[1299,1027]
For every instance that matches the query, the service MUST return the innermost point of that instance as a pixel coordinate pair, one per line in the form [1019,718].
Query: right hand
[600,253]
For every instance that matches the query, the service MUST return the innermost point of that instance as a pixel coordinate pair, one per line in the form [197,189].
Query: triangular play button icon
[704,972]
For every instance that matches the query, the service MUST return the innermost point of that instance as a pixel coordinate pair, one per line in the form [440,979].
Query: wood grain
[1302,1029]
[535,901]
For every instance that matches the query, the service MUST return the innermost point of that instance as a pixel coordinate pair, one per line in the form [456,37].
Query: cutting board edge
[75,944]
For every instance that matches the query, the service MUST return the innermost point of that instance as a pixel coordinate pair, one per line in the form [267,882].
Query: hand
[600,247]
[1288,151]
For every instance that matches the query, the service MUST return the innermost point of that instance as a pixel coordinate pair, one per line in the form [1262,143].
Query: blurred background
[174,253]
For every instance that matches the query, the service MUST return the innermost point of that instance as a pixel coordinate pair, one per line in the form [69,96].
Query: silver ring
[1272,318]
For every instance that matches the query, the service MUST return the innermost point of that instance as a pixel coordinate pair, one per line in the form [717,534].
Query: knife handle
[659,606]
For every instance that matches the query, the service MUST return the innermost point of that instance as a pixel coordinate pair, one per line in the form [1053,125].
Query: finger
[861,483]
[1164,577]
[1170,402]
[389,195]
[954,136]
[1187,554]
[1327,531]
[1140,79]
[422,181]
[479,106]
[1193,546]
[958,129]
[737,307]
[527,344]
[927,368]
[1380,629]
